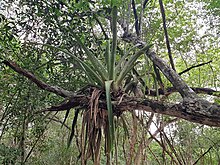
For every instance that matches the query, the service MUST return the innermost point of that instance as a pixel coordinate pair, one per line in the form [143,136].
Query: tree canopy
[128,82]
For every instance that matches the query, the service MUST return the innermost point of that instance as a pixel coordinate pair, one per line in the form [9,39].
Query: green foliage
[214,6]
[8,155]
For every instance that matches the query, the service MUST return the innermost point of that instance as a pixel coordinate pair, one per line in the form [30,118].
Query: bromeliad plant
[108,78]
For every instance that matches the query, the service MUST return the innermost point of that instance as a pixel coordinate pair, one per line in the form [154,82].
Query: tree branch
[58,121]
[158,77]
[168,72]
[73,102]
[144,4]
[54,89]
[195,66]
[136,18]
[102,28]
[202,155]
[166,34]
[172,76]
[170,90]
[193,110]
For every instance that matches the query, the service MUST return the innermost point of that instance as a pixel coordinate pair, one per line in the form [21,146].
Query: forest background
[109,82]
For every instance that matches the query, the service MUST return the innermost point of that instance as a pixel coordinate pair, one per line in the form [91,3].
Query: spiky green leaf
[92,58]
[130,64]
[110,113]
[114,44]
[107,55]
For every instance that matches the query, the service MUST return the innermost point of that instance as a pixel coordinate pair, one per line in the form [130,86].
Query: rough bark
[172,76]
[193,110]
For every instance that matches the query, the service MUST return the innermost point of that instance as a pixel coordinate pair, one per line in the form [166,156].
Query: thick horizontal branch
[54,89]
[194,110]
